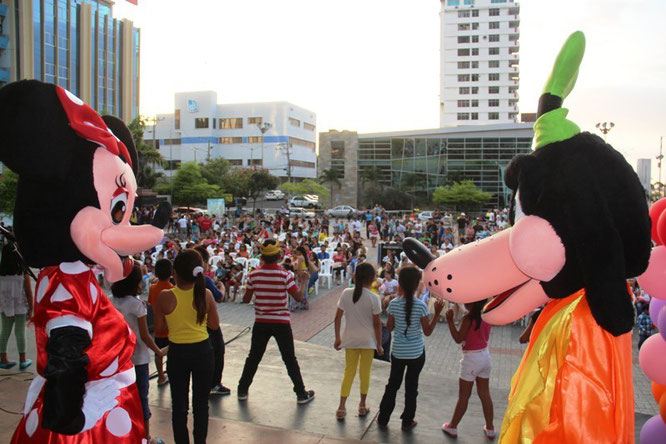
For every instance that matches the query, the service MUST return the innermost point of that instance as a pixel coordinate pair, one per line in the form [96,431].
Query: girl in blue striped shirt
[408,320]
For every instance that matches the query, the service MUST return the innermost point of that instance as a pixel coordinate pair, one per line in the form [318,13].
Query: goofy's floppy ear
[35,137]
[121,131]
[600,254]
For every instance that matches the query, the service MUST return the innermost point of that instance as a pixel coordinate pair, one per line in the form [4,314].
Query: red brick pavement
[306,324]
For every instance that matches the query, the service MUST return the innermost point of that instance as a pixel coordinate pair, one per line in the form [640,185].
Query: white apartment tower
[479,62]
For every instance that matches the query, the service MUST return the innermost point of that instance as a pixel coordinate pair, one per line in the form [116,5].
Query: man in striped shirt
[270,284]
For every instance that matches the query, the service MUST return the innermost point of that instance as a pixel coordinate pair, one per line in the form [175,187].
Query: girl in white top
[362,334]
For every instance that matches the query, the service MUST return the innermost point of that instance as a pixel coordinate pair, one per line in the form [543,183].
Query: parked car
[304,201]
[425,216]
[274,195]
[342,211]
[301,212]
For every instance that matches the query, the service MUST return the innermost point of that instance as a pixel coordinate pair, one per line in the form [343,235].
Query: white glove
[100,398]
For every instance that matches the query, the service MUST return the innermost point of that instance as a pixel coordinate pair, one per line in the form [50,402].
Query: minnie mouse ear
[121,131]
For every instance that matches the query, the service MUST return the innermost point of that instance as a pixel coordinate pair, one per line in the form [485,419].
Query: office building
[644,171]
[76,44]
[440,156]
[479,62]
[278,136]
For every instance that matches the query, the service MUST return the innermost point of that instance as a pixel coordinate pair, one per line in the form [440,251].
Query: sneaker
[409,426]
[306,397]
[446,428]
[219,389]
[242,396]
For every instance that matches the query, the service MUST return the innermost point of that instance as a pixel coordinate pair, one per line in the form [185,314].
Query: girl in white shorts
[474,366]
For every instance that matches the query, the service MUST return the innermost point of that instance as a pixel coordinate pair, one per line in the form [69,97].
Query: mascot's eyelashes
[120,181]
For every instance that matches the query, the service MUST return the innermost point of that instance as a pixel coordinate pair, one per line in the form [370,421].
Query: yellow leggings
[352,357]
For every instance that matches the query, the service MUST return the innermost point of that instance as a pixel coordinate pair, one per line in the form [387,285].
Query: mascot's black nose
[162,215]
[417,252]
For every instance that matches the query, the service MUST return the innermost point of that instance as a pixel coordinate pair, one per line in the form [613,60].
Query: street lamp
[660,157]
[263,127]
[605,128]
[154,121]
[171,160]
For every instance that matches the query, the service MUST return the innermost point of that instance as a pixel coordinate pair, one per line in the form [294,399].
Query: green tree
[371,182]
[238,182]
[8,184]
[216,172]
[462,195]
[332,177]
[191,187]
[260,180]
[410,183]
[389,198]
[307,186]
[147,154]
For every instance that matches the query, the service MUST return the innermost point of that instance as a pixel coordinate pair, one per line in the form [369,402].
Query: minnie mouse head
[76,185]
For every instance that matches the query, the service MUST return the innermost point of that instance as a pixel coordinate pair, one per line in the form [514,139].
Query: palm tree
[332,177]
[409,182]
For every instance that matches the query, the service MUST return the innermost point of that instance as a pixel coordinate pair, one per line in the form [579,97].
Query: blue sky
[373,65]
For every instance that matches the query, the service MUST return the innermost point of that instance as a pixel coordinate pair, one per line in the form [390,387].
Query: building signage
[192,106]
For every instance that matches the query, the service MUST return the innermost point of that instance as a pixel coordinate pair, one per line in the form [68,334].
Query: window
[463,14]
[463,65]
[475,77]
[493,51]
[463,116]
[475,26]
[475,116]
[475,64]
[301,142]
[493,90]
[493,25]
[464,26]
[452,2]
[475,51]
[493,77]
[230,140]
[302,163]
[294,122]
[176,119]
[475,103]
[463,103]
[493,38]
[493,64]
[201,122]
[254,120]
[257,162]
[475,39]
[475,13]
[171,142]
[463,77]
[231,123]
[497,1]
[494,12]
[463,39]
[464,90]
[493,116]
[493,103]
[255,139]
[463,52]
[475,90]
[337,150]
[309,126]
[235,162]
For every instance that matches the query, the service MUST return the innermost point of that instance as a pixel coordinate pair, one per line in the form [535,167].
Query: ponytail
[364,275]
[475,313]
[188,265]
[408,280]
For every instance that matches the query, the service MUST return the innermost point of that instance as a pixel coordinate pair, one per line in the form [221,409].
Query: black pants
[414,367]
[642,338]
[185,359]
[217,342]
[261,334]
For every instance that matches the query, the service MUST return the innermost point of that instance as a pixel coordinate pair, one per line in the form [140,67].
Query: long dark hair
[184,266]
[305,256]
[10,264]
[364,275]
[475,313]
[409,279]
[129,285]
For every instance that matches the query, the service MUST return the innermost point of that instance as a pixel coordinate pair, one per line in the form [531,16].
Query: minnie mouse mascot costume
[75,196]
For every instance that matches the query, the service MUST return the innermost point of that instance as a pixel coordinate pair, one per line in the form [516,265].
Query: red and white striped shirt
[271,283]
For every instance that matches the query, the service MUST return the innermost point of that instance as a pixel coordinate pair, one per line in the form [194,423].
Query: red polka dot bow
[87,124]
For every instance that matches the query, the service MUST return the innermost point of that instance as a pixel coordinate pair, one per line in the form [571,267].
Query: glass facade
[441,161]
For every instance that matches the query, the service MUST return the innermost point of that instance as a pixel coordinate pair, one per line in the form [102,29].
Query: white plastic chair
[158,248]
[154,256]
[242,261]
[214,260]
[325,272]
[252,263]
[316,250]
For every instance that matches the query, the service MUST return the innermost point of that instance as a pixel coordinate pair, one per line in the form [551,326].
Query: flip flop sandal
[490,433]
[163,383]
[363,411]
[340,414]
[453,433]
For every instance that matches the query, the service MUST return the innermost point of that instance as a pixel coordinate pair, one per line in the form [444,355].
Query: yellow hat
[270,249]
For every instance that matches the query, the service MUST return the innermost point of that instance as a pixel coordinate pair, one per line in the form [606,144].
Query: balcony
[3,10]
[4,75]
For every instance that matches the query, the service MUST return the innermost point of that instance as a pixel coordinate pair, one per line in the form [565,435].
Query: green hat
[552,125]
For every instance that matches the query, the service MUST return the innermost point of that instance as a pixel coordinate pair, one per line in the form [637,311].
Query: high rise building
[479,59]
[76,44]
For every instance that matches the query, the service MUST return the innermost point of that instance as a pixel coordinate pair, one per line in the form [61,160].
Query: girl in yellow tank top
[182,321]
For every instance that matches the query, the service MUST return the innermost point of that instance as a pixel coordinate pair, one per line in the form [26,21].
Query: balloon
[661,226]
[656,305]
[652,358]
[653,431]
[661,324]
[653,281]
[656,210]
[662,408]
[658,391]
